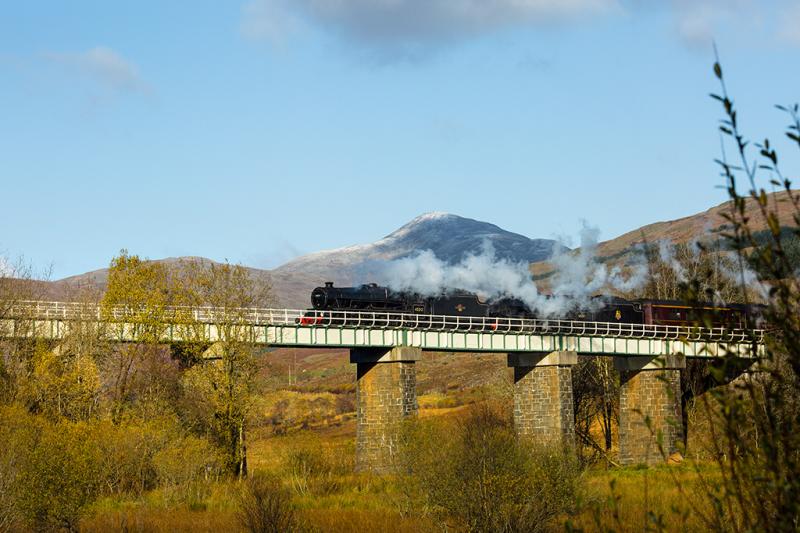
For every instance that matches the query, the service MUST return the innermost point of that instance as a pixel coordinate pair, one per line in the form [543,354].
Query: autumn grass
[662,498]
[624,499]
[360,503]
[329,496]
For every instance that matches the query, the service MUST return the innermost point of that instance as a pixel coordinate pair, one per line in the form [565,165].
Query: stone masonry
[543,407]
[386,393]
[649,396]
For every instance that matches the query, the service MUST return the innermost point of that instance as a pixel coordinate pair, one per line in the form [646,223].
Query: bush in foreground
[478,476]
[265,506]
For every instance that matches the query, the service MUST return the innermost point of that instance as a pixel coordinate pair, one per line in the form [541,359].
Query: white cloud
[265,19]
[697,22]
[411,28]
[405,27]
[790,25]
[104,66]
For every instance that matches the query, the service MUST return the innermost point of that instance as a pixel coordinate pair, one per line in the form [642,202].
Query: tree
[136,304]
[18,433]
[137,295]
[706,267]
[223,384]
[18,284]
[61,385]
[596,397]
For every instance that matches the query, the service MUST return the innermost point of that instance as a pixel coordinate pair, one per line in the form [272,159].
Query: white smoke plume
[740,273]
[578,276]
[666,252]
[728,264]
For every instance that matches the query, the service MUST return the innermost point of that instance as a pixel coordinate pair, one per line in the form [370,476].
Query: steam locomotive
[329,301]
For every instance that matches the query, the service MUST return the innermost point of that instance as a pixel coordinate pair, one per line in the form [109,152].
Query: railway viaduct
[385,348]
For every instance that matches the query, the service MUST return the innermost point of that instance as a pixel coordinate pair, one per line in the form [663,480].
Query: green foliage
[61,386]
[224,384]
[186,466]
[757,422]
[60,478]
[137,293]
[790,243]
[264,506]
[478,476]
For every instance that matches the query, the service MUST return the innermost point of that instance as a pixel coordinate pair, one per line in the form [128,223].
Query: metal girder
[282,327]
[446,341]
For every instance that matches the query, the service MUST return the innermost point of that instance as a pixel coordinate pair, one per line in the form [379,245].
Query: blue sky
[260,130]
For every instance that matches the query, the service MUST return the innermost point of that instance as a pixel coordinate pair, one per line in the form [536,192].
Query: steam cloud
[739,272]
[729,265]
[578,276]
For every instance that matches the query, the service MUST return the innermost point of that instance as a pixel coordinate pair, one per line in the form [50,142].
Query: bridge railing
[39,310]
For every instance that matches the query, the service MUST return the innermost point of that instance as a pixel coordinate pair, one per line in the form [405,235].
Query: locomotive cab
[614,309]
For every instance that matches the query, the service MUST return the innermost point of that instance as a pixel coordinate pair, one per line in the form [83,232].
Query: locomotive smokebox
[319,297]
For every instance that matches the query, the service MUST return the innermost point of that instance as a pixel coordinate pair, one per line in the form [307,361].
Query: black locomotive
[329,302]
[376,298]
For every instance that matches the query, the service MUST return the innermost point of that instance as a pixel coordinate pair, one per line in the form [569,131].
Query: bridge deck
[287,327]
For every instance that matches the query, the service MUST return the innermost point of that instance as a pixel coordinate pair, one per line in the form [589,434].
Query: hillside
[685,229]
[708,225]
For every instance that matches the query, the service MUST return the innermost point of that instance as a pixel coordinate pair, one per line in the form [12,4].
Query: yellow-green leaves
[137,295]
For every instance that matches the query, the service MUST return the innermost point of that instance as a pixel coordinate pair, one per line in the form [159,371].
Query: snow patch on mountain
[449,237]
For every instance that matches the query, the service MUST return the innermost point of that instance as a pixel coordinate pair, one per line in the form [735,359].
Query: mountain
[449,237]
[290,289]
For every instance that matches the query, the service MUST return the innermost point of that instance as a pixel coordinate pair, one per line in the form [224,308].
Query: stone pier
[543,407]
[386,392]
[649,408]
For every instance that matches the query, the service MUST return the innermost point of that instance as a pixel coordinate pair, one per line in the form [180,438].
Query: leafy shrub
[265,506]
[19,433]
[59,385]
[128,451]
[186,466]
[478,476]
[60,478]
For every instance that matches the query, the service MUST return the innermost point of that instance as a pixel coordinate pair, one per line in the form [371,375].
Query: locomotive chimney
[329,284]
